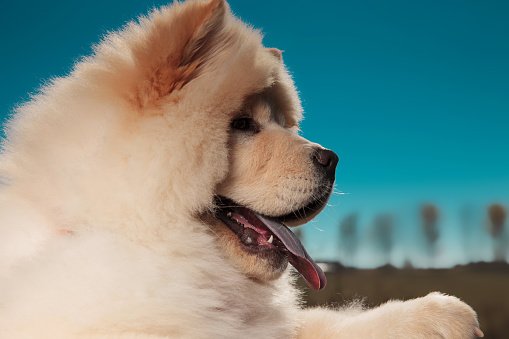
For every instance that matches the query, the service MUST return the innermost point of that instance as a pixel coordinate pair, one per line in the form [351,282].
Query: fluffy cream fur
[109,178]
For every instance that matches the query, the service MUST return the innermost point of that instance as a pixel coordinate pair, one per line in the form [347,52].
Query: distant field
[484,286]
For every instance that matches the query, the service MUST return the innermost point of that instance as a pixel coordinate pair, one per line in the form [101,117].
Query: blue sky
[412,95]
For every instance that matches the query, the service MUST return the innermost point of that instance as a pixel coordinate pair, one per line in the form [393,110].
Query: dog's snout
[326,160]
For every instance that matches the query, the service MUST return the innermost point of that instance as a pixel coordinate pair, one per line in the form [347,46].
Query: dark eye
[243,124]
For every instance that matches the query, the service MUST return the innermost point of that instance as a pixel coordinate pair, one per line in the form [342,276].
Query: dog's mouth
[263,234]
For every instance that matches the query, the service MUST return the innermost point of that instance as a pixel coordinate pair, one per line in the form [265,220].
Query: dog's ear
[180,41]
[277,53]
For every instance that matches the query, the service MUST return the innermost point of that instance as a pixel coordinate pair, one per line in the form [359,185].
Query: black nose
[327,161]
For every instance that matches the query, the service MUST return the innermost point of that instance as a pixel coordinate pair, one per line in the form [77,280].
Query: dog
[149,194]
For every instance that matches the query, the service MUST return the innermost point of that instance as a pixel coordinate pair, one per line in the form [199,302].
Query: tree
[430,215]
[383,227]
[348,238]
[298,232]
[497,216]
[469,238]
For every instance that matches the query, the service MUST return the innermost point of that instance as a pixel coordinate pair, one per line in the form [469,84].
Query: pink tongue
[298,256]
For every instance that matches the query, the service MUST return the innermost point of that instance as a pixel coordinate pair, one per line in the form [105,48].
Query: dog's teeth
[271,239]
[229,214]
[249,240]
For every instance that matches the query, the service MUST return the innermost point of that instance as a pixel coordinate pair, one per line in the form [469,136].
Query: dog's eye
[243,124]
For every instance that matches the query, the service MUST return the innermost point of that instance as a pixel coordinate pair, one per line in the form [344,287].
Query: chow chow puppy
[148,194]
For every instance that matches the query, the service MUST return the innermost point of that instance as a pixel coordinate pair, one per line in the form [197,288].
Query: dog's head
[244,153]
[236,111]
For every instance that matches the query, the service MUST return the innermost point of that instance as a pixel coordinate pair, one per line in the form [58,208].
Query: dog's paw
[442,316]
[435,316]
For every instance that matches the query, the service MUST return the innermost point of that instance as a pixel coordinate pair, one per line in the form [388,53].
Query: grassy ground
[484,286]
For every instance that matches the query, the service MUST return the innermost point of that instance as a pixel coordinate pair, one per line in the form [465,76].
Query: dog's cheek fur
[272,172]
